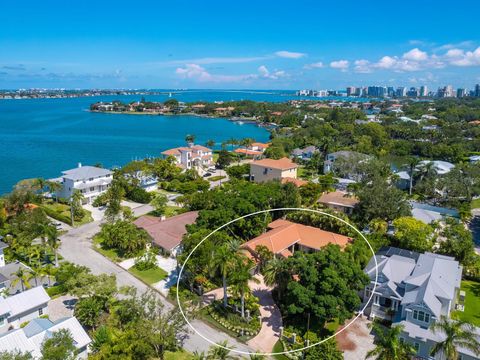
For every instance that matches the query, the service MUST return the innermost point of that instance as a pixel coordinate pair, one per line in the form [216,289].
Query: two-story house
[189,157]
[270,169]
[25,306]
[414,290]
[305,153]
[347,161]
[91,181]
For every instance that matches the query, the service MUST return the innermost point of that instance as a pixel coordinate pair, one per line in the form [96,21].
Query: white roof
[17,340]
[441,167]
[85,172]
[24,301]
[31,337]
[80,337]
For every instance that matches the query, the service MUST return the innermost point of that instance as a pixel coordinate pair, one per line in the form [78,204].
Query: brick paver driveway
[271,318]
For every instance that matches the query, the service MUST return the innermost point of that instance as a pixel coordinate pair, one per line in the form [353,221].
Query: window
[2,320]
[402,340]
[265,171]
[416,346]
[92,188]
[40,312]
[421,316]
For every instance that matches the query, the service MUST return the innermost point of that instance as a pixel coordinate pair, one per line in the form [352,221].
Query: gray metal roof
[419,278]
[85,172]
[2,244]
[24,301]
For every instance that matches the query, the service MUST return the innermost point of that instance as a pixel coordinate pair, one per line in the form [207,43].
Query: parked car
[207,174]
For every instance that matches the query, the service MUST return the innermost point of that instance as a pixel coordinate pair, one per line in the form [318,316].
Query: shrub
[139,195]
[146,261]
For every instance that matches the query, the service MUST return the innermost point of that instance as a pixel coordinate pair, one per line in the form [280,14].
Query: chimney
[79,164]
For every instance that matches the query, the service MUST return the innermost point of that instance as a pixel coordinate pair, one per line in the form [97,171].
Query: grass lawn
[150,276]
[112,254]
[475,204]
[472,303]
[61,212]
[278,347]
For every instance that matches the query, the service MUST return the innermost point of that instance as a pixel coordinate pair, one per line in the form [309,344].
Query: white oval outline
[290,351]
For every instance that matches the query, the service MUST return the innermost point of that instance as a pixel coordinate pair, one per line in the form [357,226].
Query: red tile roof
[281,164]
[167,233]
[339,198]
[296,182]
[284,234]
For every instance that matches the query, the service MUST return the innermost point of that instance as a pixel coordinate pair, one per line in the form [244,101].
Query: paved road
[76,247]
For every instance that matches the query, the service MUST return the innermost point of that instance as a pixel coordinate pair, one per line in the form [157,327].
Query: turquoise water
[42,137]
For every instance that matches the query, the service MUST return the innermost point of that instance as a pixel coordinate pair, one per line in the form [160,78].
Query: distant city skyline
[247,45]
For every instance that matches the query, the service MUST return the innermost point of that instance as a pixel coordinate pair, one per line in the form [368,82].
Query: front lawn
[178,355]
[475,204]
[61,212]
[112,254]
[150,276]
[472,303]
[216,178]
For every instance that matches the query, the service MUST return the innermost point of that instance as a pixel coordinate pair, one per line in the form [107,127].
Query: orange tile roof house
[285,237]
[188,157]
[270,169]
[340,201]
[167,233]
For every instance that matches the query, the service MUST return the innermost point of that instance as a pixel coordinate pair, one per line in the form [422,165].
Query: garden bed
[61,212]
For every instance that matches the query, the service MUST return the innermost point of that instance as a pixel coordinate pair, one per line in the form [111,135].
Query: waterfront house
[343,155]
[414,290]
[190,157]
[30,338]
[440,167]
[304,154]
[428,213]
[340,201]
[284,237]
[22,307]
[167,233]
[255,150]
[403,180]
[91,181]
[270,169]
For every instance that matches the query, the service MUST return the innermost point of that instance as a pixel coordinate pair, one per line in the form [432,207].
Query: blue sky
[238,44]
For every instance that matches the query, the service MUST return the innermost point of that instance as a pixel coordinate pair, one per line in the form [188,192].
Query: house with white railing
[91,181]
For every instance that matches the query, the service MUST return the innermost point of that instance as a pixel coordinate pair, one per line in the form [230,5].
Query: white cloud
[317,65]
[266,74]
[362,66]
[415,55]
[290,54]
[459,57]
[340,64]
[199,73]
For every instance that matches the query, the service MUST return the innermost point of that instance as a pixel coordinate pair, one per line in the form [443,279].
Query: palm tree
[210,143]
[219,353]
[23,277]
[35,272]
[458,333]
[257,357]
[412,164]
[75,203]
[40,184]
[222,261]
[241,277]
[389,346]
[53,241]
[274,274]
[49,271]
[54,187]
[190,139]
[199,355]
[232,141]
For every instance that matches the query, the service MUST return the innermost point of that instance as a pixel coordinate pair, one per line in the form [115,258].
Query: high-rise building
[449,91]
[476,92]
[351,90]
[377,91]
[391,91]
[423,91]
[461,93]
[401,91]
[413,92]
